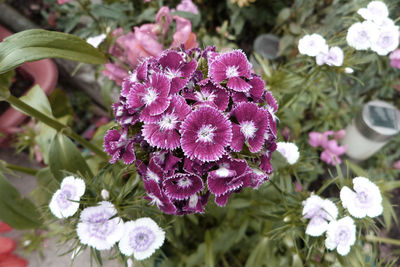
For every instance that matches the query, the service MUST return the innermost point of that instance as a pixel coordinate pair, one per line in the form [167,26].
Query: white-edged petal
[387,41]
[361,35]
[341,235]
[312,45]
[375,11]
[320,212]
[141,238]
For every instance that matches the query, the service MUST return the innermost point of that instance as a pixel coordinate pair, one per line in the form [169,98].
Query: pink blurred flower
[184,34]
[332,150]
[187,6]
[396,165]
[317,139]
[339,134]
[395,59]
[61,2]
[164,19]
[115,72]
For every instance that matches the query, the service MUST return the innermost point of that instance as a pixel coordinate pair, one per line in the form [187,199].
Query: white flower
[320,211]
[312,45]
[141,238]
[96,40]
[97,229]
[105,194]
[365,201]
[334,57]
[341,235]
[64,202]
[387,41]
[289,150]
[361,35]
[129,262]
[375,11]
[348,70]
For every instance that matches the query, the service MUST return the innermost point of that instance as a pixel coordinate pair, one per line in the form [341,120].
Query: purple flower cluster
[200,122]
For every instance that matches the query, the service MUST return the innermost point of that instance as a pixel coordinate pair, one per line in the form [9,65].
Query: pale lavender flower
[362,35]
[98,227]
[341,235]
[312,45]
[65,201]
[387,41]
[375,11]
[288,150]
[334,57]
[365,201]
[141,238]
[320,212]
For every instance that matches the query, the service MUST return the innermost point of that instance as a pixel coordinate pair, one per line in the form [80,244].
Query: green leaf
[37,99]
[209,249]
[356,169]
[60,104]
[32,45]
[257,256]
[5,82]
[17,211]
[65,156]
[46,186]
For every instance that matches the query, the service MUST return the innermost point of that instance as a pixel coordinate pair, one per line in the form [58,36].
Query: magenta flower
[206,133]
[256,91]
[166,161]
[195,203]
[253,124]
[257,177]
[232,66]
[119,146]
[125,116]
[196,166]
[182,186]
[396,165]
[153,95]
[156,196]
[230,176]
[151,172]
[164,133]
[210,94]
[177,70]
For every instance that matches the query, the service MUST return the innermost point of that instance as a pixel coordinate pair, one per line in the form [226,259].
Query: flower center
[150,96]
[184,182]
[155,200]
[223,172]
[193,201]
[232,71]
[362,197]
[248,129]
[171,73]
[206,133]
[343,235]
[168,122]
[141,239]
[205,96]
[152,176]
[386,41]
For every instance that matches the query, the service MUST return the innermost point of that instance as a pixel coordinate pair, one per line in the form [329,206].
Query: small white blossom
[320,212]
[387,41]
[365,201]
[312,45]
[96,40]
[97,229]
[375,11]
[129,262]
[105,194]
[348,70]
[289,150]
[341,235]
[334,57]
[64,202]
[361,35]
[141,238]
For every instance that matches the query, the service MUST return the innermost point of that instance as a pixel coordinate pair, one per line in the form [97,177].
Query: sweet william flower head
[341,235]
[141,238]
[334,57]
[64,203]
[312,45]
[320,212]
[365,200]
[289,150]
[387,41]
[98,227]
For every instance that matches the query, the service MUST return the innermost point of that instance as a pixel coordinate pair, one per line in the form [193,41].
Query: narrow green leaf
[356,169]
[32,45]
[209,249]
[65,156]
[17,211]
[5,82]
[258,254]
[37,99]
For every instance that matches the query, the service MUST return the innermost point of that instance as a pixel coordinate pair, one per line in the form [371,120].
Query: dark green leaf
[65,156]
[17,211]
[32,45]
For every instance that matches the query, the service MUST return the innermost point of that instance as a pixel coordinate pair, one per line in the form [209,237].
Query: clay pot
[44,73]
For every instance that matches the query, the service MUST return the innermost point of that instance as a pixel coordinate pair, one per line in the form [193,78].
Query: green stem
[22,169]
[378,239]
[59,127]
